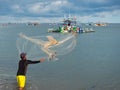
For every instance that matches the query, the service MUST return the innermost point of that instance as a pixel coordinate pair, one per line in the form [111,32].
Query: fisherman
[22,69]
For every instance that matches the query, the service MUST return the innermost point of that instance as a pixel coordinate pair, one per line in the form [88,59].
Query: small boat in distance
[100,24]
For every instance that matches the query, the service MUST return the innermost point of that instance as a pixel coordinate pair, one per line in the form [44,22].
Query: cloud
[13,19]
[109,16]
[98,1]
[105,16]
[47,7]
[17,8]
[114,13]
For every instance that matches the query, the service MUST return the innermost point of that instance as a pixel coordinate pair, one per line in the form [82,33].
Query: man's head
[23,56]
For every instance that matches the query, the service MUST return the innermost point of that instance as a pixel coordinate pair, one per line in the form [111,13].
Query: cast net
[35,46]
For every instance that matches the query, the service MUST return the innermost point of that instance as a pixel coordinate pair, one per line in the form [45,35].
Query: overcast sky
[55,10]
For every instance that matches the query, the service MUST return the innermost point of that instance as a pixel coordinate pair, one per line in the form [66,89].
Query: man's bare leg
[21,88]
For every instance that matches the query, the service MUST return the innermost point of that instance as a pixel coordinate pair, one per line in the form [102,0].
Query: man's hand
[42,60]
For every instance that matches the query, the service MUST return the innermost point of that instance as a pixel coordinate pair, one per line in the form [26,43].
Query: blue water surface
[94,64]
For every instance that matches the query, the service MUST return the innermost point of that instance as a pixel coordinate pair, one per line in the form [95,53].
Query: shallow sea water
[94,64]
